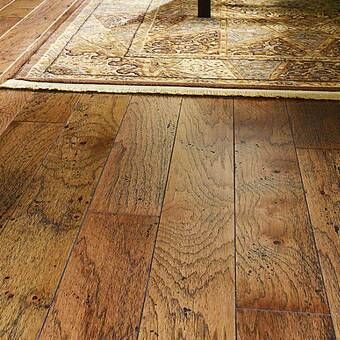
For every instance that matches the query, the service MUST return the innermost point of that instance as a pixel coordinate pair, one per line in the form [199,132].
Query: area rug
[256,47]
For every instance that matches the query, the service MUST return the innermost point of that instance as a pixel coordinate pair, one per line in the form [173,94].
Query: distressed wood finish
[7,23]
[315,123]
[321,176]
[19,8]
[19,43]
[191,290]
[11,103]
[4,3]
[107,269]
[19,160]
[102,293]
[36,241]
[259,325]
[134,179]
[277,262]
[52,107]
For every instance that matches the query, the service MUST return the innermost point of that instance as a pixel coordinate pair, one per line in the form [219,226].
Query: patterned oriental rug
[286,48]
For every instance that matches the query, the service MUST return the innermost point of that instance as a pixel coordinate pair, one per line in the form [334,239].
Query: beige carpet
[261,46]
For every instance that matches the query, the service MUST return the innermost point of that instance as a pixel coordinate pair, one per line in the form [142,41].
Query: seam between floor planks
[89,212]
[14,207]
[235,218]
[82,222]
[160,215]
[37,121]
[19,60]
[3,7]
[21,19]
[306,204]
[282,311]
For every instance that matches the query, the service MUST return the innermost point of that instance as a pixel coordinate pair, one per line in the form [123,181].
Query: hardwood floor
[162,217]
[168,217]
[24,27]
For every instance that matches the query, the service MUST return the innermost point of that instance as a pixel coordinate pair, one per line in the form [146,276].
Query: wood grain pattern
[277,263]
[321,177]
[4,3]
[20,8]
[191,289]
[49,106]
[18,44]
[19,160]
[259,325]
[11,103]
[6,23]
[36,241]
[315,123]
[134,179]
[102,293]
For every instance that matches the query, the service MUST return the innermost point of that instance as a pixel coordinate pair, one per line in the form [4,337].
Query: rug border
[169,90]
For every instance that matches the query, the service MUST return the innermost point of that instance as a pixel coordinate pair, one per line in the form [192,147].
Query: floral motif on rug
[276,44]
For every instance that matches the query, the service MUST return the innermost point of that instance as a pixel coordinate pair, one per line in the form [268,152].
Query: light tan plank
[191,289]
[321,176]
[22,149]
[4,3]
[134,179]
[315,123]
[277,262]
[36,242]
[102,293]
[6,23]
[259,325]
[20,8]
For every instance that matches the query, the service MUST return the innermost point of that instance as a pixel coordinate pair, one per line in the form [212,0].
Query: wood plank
[36,242]
[259,325]
[277,262]
[4,3]
[22,149]
[191,290]
[102,293]
[49,106]
[11,103]
[18,44]
[134,179]
[315,123]
[321,177]
[20,8]
[6,23]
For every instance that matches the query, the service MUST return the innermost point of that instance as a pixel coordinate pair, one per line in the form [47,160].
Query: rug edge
[169,90]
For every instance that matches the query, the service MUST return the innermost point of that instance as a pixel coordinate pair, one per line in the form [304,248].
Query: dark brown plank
[191,290]
[22,149]
[49,107]
[36,242]
[259,325]
[11,103]
[315,123]
[277,263]
[102,293]
[134,179]
[321,177]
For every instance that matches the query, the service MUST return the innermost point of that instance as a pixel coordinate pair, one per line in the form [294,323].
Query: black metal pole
[204,8]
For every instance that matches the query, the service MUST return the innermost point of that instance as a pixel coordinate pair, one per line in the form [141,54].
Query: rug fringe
[172,90]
